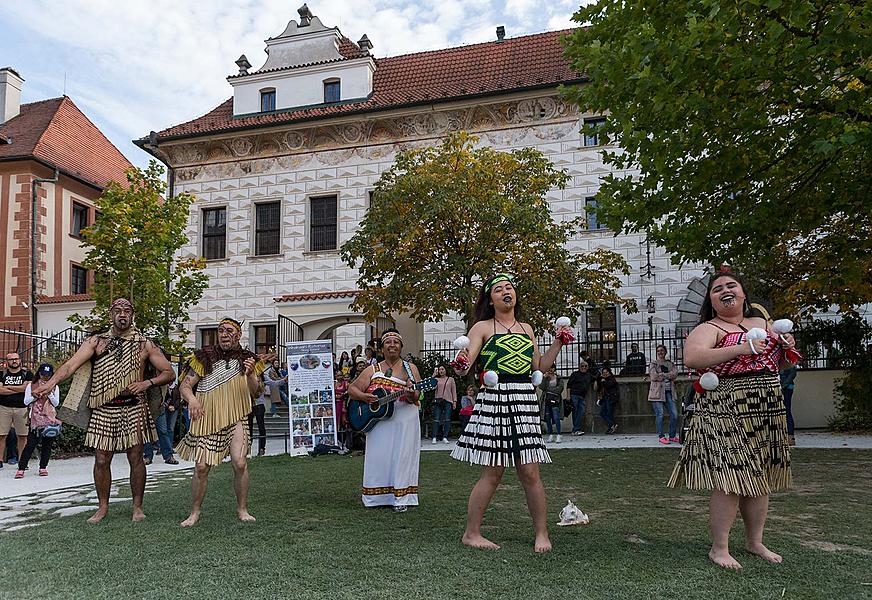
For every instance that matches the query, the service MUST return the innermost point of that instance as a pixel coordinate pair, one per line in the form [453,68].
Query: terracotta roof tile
[56,132]
[62,299]
[317,296]
[435,76]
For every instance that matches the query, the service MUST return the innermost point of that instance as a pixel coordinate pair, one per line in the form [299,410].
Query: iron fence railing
[35,348]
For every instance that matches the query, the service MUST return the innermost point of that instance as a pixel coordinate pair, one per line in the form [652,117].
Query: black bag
[567,407]
[552,399]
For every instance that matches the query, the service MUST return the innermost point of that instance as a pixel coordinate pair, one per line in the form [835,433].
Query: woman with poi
[737,445]
[504,428]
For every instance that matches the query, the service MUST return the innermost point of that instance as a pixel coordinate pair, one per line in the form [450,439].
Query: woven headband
[499,278]
[391,334]
[233,322]
[121,303]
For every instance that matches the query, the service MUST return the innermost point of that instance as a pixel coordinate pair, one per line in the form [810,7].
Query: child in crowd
[44,424]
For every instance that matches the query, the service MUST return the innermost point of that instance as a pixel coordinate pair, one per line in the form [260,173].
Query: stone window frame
[202,230]
[588,201]
[268,93]
[593,141]
[254,230]
[309,224]
[596,348]
[328,84]
[254,342]
[201,336]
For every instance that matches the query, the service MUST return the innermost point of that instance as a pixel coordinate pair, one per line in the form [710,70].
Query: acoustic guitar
[363,416]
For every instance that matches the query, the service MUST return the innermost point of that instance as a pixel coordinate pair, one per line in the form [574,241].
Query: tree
[445,218]
[751,124]
[130,249]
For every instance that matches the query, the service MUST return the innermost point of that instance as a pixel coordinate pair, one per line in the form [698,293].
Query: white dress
[393,450]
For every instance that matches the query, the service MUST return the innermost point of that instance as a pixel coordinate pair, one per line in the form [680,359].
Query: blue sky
[136,66]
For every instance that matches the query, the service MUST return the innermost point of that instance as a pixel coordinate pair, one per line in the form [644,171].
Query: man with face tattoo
[219,385]
[120,419]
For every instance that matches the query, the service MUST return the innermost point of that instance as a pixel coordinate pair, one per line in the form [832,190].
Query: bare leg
[754,510]
[479,500]
[536,504]
[238,451]
[198,491]
[137,479]
[722,513]
[102,482]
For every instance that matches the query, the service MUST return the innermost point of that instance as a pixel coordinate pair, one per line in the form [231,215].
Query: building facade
[50,151]
[283,172]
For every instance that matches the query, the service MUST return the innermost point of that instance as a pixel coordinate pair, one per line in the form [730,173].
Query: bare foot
[245,516]
[542,544]
[191,520]
[98,516]
[478,541]
[138,515]
[764,553]
[724,559]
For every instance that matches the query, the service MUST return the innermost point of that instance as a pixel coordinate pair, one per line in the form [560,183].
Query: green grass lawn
[313,539]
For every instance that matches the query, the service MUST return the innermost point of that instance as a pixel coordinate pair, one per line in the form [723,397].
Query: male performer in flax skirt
[114,365]
[226,378]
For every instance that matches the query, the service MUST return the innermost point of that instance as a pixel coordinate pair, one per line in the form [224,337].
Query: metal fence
[34,349]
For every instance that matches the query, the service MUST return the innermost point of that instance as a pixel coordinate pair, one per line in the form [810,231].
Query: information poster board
[311,394]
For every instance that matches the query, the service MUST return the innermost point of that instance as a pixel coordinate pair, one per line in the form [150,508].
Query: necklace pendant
[389,372]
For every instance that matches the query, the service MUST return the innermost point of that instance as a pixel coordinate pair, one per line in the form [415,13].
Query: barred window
[214,233]
[322,223]
[268,228]
[602,333]
[264,339]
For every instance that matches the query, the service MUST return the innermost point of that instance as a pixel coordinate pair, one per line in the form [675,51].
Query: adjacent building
[284,169]
[51,152]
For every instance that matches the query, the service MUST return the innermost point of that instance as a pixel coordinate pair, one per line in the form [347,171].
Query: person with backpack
[44,424]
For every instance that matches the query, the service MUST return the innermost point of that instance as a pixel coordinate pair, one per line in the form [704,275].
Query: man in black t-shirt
[636,363]
[13,413]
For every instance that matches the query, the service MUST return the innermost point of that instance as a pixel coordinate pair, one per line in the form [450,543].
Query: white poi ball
[491,378]
[461,343]
[563,322]
[536,378]
[709,381]
[755,333]
[782,326]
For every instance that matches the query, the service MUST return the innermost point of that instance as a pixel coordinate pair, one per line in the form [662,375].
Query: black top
[579,383]
[611,389]
[636,364]
[7,378]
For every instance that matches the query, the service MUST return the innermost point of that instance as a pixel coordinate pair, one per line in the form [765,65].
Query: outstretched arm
[82,355]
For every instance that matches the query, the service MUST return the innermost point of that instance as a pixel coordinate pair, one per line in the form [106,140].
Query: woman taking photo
[662,373]
[737,444]
[504,429]
[44,423]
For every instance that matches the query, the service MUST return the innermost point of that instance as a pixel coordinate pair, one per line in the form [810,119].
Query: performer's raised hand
[248,365]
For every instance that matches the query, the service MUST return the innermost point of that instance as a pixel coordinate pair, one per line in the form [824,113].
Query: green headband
[499,278]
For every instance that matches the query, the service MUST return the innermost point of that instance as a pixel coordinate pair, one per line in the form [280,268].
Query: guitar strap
[409,371]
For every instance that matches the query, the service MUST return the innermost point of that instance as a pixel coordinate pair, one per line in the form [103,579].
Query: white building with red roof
[48,140]
[283,171]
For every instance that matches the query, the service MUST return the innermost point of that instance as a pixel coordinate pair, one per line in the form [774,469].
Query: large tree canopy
[751,124]
[131,248]
[445,218]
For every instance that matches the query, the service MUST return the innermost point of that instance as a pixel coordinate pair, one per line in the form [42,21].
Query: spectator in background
[467,404]
[610,395]
[166,427]
[13,412]
[345,363]
[552,395]
[258,412]
[788,382]
[359,365]
[593,368]
[369,354]
[636,362]
[42,415]
[443,403]
[579,384]
[278,384]
[662,373]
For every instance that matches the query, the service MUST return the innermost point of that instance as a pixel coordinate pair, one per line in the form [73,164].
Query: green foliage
[131,249]
[751,124]
[445,218]
[847,341]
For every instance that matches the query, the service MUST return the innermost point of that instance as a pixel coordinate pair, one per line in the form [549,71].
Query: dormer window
[267,100]
[331,91]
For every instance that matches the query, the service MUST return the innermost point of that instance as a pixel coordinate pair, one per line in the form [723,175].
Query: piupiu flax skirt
[211,448]
[505,428]
[737,441]
[117,428]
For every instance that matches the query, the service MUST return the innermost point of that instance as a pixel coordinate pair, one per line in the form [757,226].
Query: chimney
[501,33]
[364,44]
[10,94]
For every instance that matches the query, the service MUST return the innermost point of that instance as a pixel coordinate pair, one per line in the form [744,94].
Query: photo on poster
[301,411]
[326,438]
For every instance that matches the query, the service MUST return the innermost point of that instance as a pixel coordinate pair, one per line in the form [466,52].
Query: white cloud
[137,66]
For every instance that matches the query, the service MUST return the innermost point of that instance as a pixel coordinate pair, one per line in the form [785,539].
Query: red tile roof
[426,77]
[62,299]
[317,296]
[56,132]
